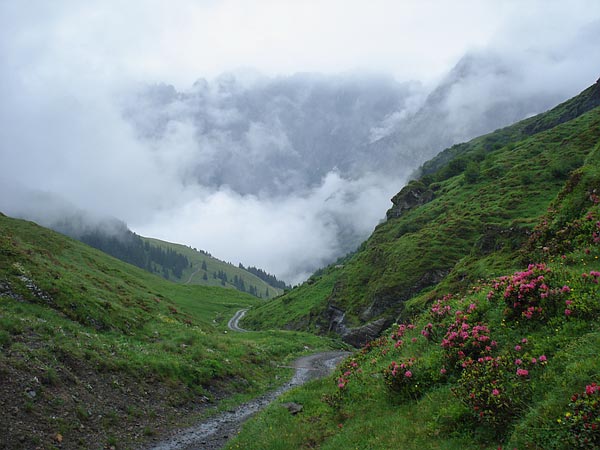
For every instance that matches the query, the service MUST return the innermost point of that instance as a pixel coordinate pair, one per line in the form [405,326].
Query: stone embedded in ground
[293,408]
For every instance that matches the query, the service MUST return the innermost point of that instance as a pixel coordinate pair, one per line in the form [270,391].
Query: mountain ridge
[432,239]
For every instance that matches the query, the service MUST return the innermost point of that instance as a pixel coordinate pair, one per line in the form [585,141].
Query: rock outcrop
[412,195]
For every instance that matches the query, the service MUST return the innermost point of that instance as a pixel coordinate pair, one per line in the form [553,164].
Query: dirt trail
[233,323]
[192,276]
[213,433]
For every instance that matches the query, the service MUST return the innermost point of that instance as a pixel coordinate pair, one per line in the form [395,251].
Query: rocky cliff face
[334,320]
[412,195]
[384,309]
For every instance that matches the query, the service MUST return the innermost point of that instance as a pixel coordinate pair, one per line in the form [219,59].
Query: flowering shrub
[440,309]
[464,342]
[527,294]
[376,344]
[582,420]
[348,369]
[564,236]
[493,390]
[407,379]
[581,298]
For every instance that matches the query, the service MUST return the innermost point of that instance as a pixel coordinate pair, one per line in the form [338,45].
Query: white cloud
[67,66]
[289,236]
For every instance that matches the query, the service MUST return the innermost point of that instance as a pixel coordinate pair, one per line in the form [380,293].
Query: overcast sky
[180,40]
[65,65]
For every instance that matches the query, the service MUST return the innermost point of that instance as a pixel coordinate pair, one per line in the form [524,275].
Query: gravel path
[213,433]
[233,323]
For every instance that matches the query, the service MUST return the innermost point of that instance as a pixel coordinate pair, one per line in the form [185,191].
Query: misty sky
[71,72]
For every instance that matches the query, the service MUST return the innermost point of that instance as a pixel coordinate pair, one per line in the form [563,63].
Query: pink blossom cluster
[593,276]
[461,334]
[400,332]
[440,308]
[464,341]
[402,368]
[525,292]
[349,368]
[592,388]
[426,331]
[583,419]
[595,234]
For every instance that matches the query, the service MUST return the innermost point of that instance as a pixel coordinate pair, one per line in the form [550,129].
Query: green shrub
[582,420]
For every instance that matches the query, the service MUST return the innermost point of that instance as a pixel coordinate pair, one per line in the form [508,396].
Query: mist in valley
[282,167]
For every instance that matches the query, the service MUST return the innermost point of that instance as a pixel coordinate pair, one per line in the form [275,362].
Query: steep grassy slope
[95,352]
[464,219]
[510,362]
[235,278]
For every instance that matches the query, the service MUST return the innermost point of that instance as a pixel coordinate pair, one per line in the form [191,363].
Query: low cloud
[284,172]
[291,235]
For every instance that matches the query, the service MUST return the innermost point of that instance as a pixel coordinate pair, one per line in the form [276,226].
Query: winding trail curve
[234,322]
[213,433]
[192,276]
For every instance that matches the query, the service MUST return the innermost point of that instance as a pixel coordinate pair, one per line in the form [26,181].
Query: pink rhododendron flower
[408,374]
[495,392]
[522,372]
[591,388]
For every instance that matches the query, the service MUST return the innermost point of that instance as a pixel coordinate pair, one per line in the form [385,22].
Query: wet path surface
[233,323]
[214,432]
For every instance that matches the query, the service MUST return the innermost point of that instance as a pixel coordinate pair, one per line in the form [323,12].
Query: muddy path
[234,322]
[214,432]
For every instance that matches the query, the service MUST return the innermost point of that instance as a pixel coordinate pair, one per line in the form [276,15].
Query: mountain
[326,149]
[205,269]
[481,93]
[475,305]
[268,136]
[477,201]
[178,263]
[96,353]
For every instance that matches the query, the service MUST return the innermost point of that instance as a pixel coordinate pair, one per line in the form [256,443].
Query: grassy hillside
[509,362]
[97,353]
[465,219]
[209,276]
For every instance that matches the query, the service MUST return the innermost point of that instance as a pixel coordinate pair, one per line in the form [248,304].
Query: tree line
[131,248]
[266,277]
